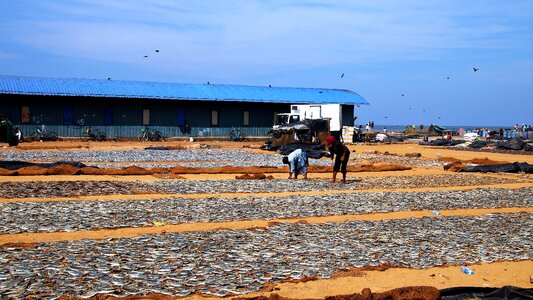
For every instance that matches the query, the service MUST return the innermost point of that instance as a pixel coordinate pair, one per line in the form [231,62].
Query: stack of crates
[348,134]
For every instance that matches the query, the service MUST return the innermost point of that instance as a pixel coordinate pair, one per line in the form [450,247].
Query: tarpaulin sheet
[514,144]
[157,148]
[15,165]
[312,150]
[515,167]
[445,142]
[478,144]
[506,293]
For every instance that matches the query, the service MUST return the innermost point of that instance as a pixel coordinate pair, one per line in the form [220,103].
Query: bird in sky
[448,77]
[342,75]
[108,78]
[402,95]
[208,82]
[475,69]
[269,85]
[156,50]
[145,56]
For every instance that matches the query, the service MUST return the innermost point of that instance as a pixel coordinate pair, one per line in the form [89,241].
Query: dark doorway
[67,115]
[180,118]
[108,116]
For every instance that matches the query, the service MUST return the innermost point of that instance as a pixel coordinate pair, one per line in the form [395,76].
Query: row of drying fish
[209,158]
[19,217]
[49,189]
[230,262]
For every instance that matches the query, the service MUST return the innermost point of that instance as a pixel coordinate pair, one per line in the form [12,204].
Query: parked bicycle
[236,135]
[150,135]
[93,135]
[44,135]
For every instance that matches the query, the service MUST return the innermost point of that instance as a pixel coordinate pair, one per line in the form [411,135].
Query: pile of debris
[308,135]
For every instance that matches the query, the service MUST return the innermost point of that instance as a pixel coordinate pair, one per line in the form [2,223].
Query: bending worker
[341,153]
[298,162]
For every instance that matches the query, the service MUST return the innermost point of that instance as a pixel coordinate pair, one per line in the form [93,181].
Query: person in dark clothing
[501,134]
[341,154]
[186,128]
[360,134]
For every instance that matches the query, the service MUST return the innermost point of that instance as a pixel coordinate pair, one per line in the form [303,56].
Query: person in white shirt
[298,162]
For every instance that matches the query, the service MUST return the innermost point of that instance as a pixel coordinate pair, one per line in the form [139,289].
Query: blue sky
[385,49]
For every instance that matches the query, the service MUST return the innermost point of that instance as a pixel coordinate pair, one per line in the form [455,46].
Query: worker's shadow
[353,180]
[350,181]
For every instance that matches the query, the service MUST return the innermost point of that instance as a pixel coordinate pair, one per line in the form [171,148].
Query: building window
[146,116]
[25,114]
[214,118]
[246,118]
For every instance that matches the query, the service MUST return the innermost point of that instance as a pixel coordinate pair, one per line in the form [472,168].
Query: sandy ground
[495,274]
[437,152]
[509,273]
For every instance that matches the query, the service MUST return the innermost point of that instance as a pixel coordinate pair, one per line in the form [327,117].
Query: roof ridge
[33,85]
[171,83]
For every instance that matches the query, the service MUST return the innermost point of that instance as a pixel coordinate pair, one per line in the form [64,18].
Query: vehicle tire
[156,137]
[13,141]
[143,137]
[36,137]
[243,137]
[86,137]
[52,136]
[100,136]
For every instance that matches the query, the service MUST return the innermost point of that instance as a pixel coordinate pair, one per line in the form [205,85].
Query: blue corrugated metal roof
[172,91]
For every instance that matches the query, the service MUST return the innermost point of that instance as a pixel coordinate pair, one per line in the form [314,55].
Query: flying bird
[108,78]
[208,82]
[269,85]
[402,95]
[448,77]
[475,69]
[145,56]
[342,75]
[156,50]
